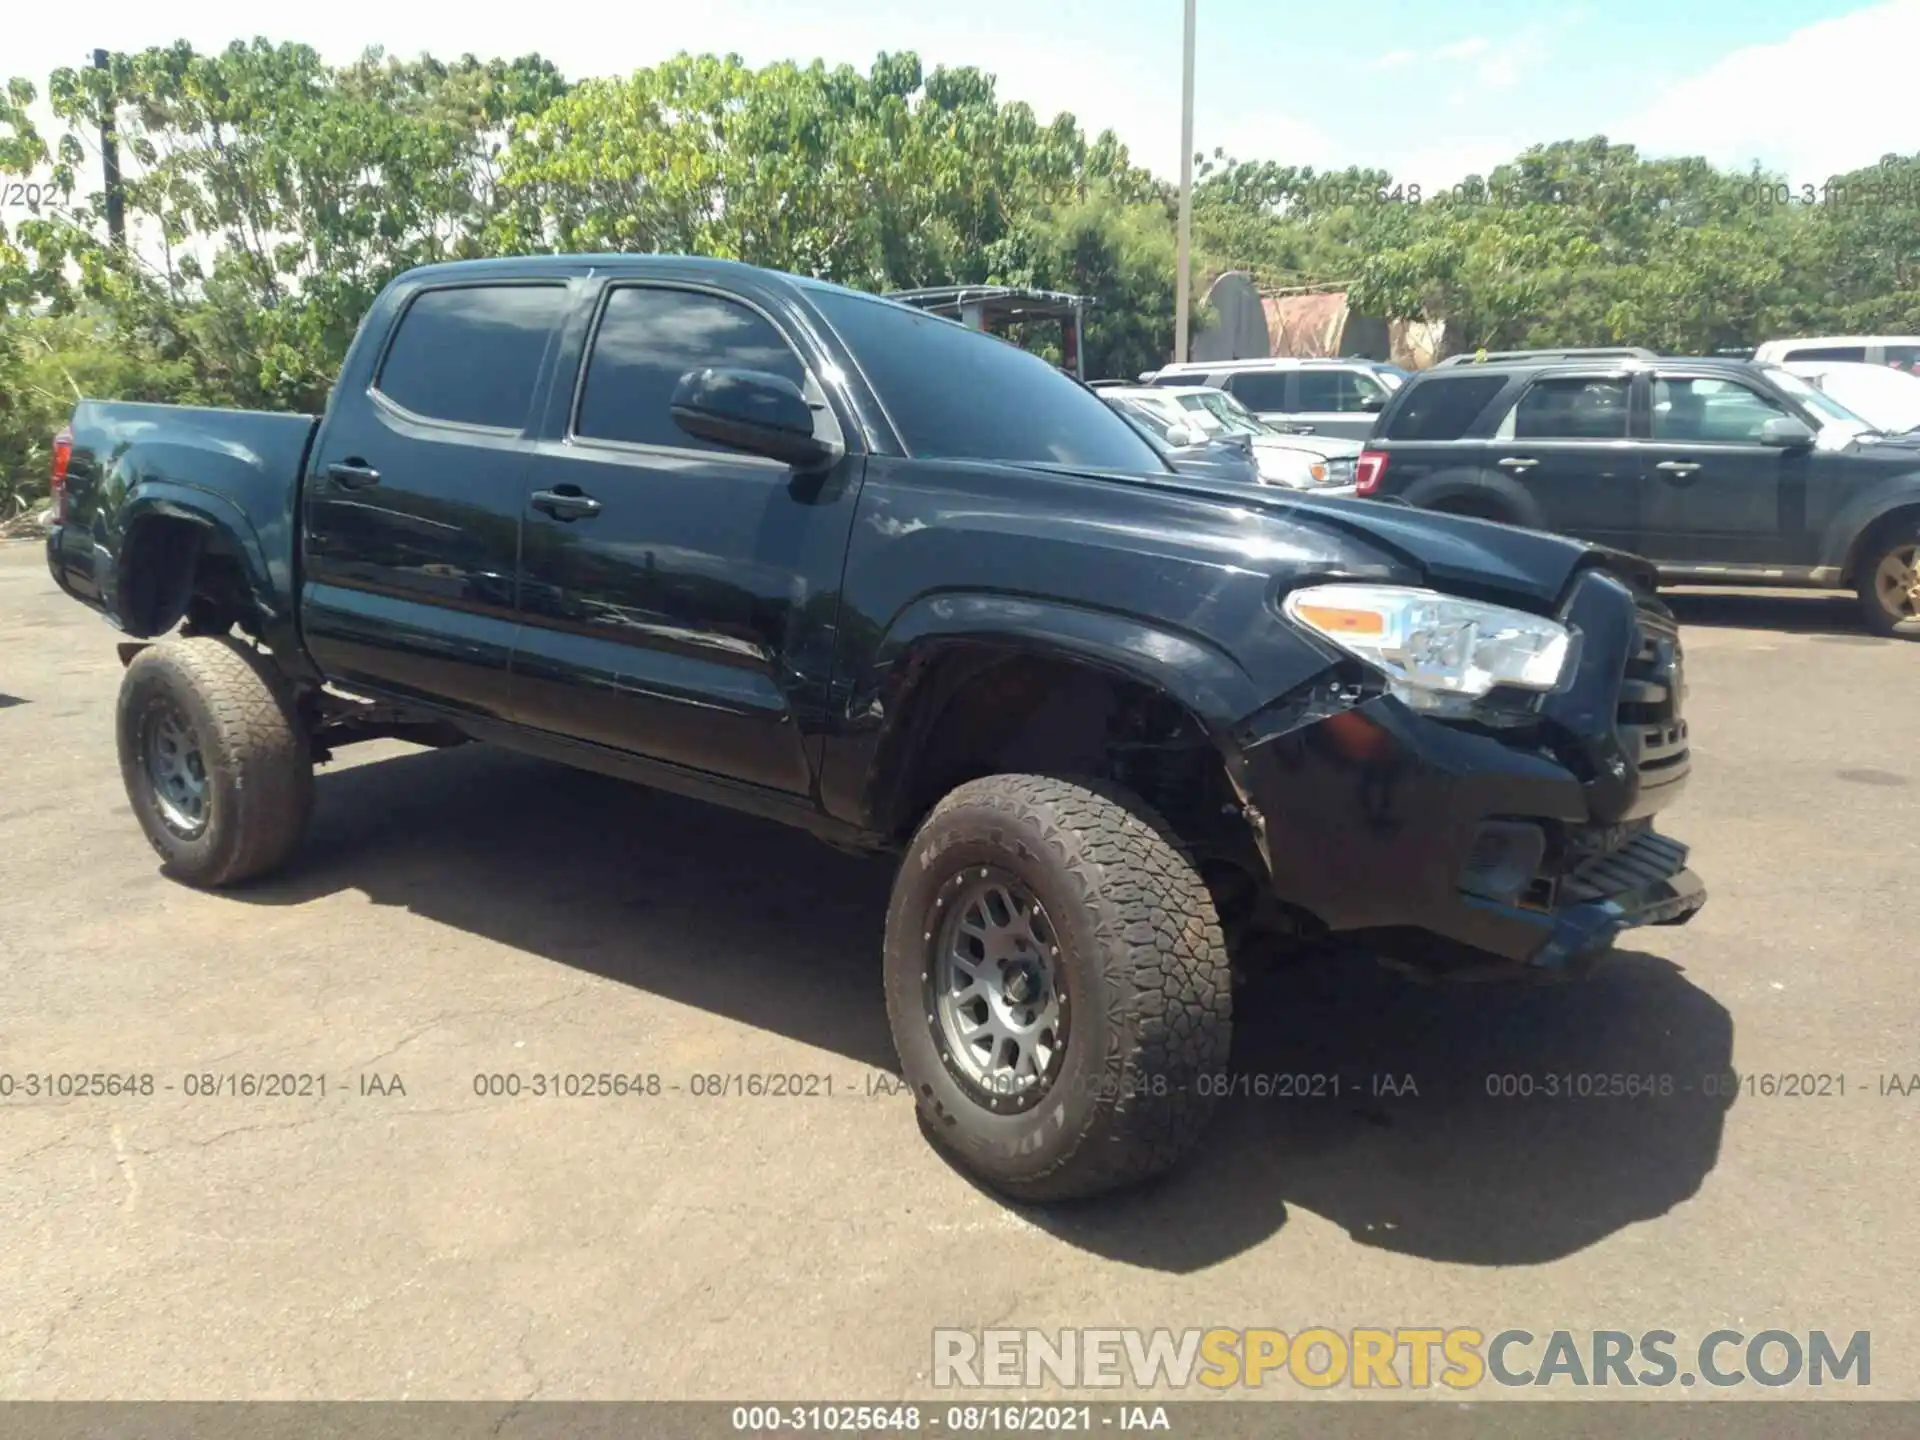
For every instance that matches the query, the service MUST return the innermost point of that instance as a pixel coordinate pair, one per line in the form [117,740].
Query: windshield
[1831,412]
[1144,415]
[959,394]
[1226,412]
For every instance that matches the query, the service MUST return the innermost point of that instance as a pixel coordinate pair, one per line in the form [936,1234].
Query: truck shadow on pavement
[768,928]
[1835,617]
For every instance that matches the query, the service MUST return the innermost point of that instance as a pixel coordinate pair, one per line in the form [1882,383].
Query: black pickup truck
[832,560]
[1721,472]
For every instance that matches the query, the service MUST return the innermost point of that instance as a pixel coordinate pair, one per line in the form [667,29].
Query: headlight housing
[1337,470]
[1439,653]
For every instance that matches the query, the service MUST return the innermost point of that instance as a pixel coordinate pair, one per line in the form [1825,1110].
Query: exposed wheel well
[981,710]
[1906,519]
[173,569]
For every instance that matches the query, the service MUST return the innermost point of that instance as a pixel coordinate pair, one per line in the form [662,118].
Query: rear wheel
[1057,984]
[1889,586]
[216,761]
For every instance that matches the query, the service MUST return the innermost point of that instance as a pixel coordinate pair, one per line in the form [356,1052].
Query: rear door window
[1828,352]
[471,354]
[1566,407]
[1438,406]
[1258,389]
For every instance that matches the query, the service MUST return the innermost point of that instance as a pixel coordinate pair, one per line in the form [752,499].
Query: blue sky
[1430,90]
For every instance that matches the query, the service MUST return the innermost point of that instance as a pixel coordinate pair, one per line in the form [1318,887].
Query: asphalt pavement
[401,1223]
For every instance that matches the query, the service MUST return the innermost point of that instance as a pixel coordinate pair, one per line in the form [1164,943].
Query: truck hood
[1529,569]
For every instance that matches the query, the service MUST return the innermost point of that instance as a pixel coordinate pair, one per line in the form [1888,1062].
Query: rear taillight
[62,454]
[1368,471]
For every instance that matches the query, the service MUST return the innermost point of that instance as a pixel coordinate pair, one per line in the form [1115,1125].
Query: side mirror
[751,410]
[1373,404]
[1179,437]
[1786,433]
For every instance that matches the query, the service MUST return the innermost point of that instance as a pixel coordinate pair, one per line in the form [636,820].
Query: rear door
[1565,442]
[1711,493]
[679,599]
[1265,392]
[1329,400]
[411,508]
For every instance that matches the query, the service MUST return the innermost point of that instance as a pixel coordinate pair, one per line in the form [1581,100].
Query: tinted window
[1572,409]
[1829,352]
[1437,407]
[1904,357]
[955,393]
[1259,389]
[1334,389]
[648,339]
[1710,411]
[472,354]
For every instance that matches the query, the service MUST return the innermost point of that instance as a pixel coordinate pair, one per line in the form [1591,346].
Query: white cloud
[1464,49]
[1830,97]
[1395,59]
[1505,65]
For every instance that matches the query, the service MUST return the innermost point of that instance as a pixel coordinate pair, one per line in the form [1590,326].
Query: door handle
[567,505]
[353,474]
[1516,462]
[1678,467]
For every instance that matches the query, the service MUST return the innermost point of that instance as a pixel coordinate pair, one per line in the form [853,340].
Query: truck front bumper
[1453,852]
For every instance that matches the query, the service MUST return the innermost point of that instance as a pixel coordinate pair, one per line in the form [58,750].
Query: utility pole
[1184,264]
[110,164]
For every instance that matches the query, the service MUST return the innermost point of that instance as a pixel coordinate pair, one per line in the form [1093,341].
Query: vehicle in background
[1300,462]
[1302,396]
[1886,397]
[993,308]
[839,563]
[1719,471]
[1186,449]
[1501,357]
[1902,351]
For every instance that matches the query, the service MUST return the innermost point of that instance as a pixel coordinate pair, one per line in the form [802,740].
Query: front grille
[1648,718]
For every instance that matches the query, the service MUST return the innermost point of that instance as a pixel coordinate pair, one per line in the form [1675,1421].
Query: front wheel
[215,758]
[1889,587]
[1058,986]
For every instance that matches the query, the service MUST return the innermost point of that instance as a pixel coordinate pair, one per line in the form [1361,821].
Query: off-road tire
[1873,610]
[257,757]
[1141,959]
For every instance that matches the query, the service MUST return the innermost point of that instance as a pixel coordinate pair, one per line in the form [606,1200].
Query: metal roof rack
[981,307]
[1495,357]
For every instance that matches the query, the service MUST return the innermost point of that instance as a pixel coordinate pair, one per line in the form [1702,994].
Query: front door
[1711,494]
[1331,401]
[678,598]
[411,509]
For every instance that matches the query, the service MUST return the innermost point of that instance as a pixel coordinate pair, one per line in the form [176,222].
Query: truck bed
[132,460]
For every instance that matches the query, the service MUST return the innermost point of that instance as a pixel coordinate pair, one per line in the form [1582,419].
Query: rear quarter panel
[234,471]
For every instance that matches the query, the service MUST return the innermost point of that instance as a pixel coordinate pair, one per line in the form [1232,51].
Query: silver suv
[1307,397]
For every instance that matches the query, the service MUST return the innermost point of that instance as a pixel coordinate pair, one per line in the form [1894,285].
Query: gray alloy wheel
[999,1006]
[176,769]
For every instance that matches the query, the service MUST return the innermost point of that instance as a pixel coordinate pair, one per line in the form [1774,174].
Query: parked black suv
[1719,471]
